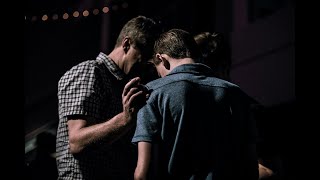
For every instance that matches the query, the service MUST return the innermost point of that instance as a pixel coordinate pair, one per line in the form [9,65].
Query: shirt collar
[111,65]
[194,68]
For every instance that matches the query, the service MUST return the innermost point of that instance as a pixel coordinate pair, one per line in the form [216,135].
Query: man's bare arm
[144,157]
[81,135]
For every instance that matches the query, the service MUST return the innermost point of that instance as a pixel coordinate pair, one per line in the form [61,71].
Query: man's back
[202,126]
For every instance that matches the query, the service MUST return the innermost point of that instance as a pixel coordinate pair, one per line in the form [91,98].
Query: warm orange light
[44,17]
[85,13]
[76,14]
[65,16]
[105,9]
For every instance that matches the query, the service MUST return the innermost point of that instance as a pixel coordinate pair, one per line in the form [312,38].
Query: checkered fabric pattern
[93,89]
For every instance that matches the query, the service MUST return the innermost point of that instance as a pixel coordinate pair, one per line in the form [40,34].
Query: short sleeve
[79,91]
[148,127]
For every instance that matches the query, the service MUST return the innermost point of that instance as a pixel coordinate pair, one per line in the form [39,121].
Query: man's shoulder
[91,63]
[187,78]
[222,83]
[159,83]
[84,67]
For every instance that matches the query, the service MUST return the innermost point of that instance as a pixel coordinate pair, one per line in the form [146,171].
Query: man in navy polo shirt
[194,126]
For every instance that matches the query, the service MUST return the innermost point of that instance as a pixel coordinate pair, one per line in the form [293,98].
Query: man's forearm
[144,158]
[81,135]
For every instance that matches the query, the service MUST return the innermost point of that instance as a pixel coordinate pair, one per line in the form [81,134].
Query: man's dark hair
[142,32]
[177,43]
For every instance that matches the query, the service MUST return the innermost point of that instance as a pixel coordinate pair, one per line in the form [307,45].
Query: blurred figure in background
[216,54]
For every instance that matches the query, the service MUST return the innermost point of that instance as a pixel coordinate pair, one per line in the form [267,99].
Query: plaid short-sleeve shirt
[93,89]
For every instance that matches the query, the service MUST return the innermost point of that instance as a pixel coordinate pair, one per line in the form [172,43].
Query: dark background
[261,34]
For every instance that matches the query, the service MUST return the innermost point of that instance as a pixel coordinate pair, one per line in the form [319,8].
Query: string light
[44,17]
[65,16]
[85,13]
[105,9]
[75,14]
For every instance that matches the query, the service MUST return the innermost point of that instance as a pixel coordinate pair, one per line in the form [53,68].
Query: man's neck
[116,56]
[178,62]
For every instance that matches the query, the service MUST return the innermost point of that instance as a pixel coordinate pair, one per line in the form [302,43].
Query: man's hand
[133,97]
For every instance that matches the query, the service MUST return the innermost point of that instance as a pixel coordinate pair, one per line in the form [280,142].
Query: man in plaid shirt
[98,106]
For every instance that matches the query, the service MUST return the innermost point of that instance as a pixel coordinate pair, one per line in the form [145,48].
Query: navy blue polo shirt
[201,125]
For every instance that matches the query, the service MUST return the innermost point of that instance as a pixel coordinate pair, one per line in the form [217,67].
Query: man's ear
[126,44]
[166,63]
[164,59]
